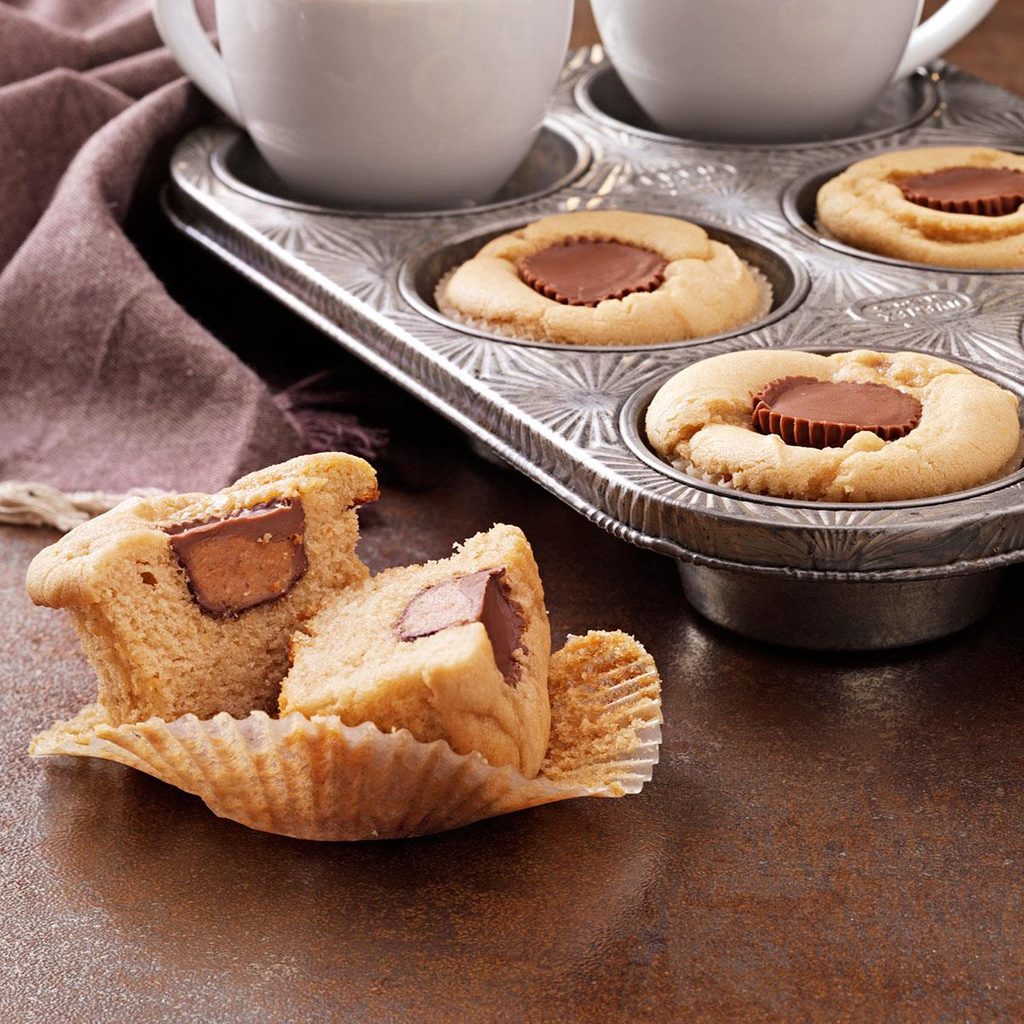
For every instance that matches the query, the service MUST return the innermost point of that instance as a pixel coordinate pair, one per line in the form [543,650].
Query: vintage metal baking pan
[805,574]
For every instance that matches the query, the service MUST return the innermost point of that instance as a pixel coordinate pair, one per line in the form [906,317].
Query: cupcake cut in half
[453,650]
[423,699]
[607,277]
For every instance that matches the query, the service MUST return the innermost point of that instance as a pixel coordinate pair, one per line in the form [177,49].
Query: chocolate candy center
[244,560]
[988,191]
[585,271]
[480,597]
[814,413]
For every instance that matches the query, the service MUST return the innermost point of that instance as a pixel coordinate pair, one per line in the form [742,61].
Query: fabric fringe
[29,504]
[315,406]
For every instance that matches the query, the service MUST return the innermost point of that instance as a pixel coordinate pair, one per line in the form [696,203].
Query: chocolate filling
[988,191]
[243,560]
[480,597]
[586,271]
[814,413]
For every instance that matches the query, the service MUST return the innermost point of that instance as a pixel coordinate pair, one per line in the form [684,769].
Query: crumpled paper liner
[316,778]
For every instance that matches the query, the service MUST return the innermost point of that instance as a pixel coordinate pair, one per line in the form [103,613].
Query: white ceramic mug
[771,70]
[392,104]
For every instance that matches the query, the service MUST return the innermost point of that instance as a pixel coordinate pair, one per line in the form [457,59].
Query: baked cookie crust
[866,208]
[968,435]
[707,288]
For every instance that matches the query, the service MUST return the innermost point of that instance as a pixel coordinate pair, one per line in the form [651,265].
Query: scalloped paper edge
[317,778]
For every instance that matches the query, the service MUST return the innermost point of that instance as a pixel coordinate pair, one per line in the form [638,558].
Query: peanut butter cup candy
[247,559]
[817,413]
[854,426]
[186,603]
[983,191]
[609,277]
[957,206]
[586,271]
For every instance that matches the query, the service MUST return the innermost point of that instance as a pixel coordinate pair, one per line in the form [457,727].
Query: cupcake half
[186,603]
[455,650]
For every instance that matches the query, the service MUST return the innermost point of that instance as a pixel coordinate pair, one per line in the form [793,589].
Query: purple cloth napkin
[105,382]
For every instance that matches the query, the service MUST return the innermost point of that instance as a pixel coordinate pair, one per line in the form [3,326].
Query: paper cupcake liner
[316,778]
[704,475]
[502,330]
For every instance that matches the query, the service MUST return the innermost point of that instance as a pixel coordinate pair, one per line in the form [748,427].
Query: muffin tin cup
[558,156]
[553,412]
[602,96]
[420,275]
[847,612]
[839,615]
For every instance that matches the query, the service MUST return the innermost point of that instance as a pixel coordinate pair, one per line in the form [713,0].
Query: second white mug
[771,70]
[390,104]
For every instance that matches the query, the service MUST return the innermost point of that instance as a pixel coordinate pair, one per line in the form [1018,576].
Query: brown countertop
[826,839]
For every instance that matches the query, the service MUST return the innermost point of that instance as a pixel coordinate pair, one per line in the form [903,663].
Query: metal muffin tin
[816,575]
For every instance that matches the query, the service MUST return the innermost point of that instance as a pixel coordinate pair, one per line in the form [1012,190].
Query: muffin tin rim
[410,266]
[899,574]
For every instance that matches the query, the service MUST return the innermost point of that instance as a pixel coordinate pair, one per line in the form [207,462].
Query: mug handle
[181,30]
[946,27]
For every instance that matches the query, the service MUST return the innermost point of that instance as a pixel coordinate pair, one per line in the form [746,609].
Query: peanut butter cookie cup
[605,278]
[855,426]
[952,206]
